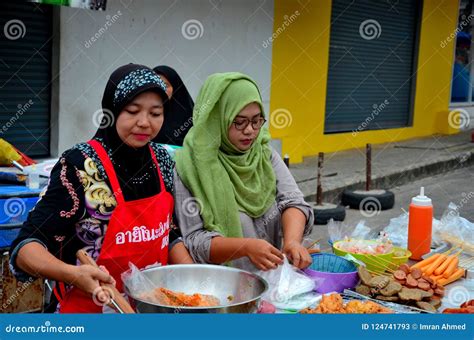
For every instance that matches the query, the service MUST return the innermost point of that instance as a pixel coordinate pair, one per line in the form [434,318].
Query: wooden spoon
[117,301]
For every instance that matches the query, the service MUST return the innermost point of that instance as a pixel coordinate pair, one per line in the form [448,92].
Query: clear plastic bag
[287,287]
[456,230]
[137,283]
[339,230]
[397,230]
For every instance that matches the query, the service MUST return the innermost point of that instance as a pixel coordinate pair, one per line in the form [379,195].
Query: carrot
[451,268]
[435,264]
[425,262]
[457,275]
[436,278]
[425,268]
[440,270]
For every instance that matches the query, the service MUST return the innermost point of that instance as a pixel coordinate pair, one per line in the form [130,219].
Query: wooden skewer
[451,250]
[382,260]
[378,273]
[312,244]
[376,264]
[381,264]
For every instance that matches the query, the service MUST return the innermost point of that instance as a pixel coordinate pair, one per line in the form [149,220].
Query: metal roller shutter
[373,51]
[25,76]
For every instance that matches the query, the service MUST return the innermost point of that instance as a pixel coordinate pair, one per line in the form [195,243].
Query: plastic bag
[456,230]
[136,282]
[339,230]
[363,232]
[288,287]
[397,231]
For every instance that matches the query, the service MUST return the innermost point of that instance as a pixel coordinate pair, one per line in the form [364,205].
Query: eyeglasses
[242,123]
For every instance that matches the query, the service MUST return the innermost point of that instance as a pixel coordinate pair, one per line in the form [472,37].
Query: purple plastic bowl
[332,273]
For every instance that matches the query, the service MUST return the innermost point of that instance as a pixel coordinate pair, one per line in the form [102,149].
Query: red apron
[138,232]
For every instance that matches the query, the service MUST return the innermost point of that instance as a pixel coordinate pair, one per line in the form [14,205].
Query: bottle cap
[421,199]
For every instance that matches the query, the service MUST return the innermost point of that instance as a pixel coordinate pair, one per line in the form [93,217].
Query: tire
[368,200]
[322,214]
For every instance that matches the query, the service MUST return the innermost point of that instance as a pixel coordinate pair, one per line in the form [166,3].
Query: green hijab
[223,179]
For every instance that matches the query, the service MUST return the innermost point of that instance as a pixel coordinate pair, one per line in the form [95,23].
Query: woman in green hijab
[235,200]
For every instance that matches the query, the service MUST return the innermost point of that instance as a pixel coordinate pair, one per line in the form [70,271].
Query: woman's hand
[87,278]
[179,254]
[297,254]
[262,254]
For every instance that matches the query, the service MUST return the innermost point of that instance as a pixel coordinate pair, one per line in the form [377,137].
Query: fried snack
[426,306]
[391,289]
[435,302]
[379,282]
[333,304]
[364,275]
[408,294]
[363,289]
[387,298]
[366,307]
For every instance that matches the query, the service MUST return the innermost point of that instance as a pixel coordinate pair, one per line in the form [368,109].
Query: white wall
[150,32]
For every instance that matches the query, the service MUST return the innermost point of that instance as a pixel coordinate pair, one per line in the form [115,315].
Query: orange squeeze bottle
[420,223]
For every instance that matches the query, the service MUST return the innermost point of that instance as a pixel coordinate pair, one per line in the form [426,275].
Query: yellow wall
[299,77]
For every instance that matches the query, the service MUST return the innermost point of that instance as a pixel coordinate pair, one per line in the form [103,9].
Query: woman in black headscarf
[109,197]
[179,118]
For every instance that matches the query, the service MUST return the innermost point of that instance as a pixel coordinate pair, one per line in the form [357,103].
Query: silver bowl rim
[158,267]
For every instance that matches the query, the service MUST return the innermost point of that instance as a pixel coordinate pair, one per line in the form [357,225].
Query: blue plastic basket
[331,263]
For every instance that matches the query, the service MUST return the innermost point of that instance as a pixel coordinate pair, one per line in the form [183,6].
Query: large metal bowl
[239,291]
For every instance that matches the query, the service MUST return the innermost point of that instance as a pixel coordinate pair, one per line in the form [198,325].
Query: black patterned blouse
[75,209]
